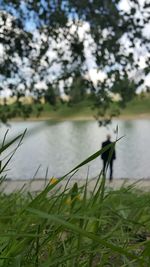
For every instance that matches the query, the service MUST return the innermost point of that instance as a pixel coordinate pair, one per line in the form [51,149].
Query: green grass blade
[77,230]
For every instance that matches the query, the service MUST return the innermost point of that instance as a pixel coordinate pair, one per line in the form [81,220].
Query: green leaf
[4,147]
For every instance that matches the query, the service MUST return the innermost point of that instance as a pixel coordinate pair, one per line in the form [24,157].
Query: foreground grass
[73,228]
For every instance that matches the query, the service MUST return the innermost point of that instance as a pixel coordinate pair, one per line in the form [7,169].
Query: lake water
[60,146]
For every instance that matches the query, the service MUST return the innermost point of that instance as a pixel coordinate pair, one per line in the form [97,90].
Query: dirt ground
[9,186]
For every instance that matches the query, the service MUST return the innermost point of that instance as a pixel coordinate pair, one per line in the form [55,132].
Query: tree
[50,95]
[54,41]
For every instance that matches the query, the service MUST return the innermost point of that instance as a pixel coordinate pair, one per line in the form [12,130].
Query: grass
[139,105]
[81,109]
[73,227]
[84,109]
[69,228]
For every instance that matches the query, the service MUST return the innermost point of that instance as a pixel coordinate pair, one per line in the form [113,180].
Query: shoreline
[37,185]
[141,116]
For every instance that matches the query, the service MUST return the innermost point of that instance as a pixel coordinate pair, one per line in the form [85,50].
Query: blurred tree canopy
[51,44]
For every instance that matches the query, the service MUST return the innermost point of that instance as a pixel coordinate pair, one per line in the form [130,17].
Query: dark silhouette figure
[108,157]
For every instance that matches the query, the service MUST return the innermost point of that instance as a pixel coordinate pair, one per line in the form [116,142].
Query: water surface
[59,146]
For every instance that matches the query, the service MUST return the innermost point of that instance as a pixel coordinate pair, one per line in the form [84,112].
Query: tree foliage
[59,42]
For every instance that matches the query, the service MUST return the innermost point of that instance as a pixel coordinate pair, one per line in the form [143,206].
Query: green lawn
[81,110]
[85,109]
[138,106]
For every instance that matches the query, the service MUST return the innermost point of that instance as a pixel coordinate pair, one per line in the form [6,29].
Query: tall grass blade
[59,220]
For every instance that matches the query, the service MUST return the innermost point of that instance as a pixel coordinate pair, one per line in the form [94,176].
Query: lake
[57,147]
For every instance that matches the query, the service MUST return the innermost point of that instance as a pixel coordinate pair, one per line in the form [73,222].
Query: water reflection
[62,145]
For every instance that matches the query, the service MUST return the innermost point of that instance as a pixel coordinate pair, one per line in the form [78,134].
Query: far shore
[37,185]
[141,116]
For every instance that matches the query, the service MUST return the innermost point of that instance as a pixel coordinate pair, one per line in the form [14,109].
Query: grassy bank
[78,110]
[84,109]
[139,106]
